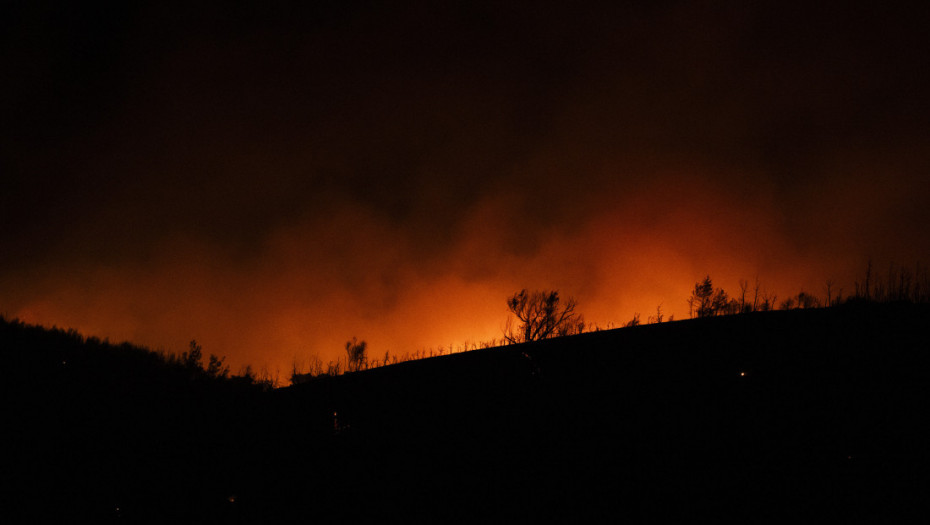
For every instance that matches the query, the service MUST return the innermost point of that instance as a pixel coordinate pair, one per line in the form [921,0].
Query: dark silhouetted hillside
[794,414]
[111,431]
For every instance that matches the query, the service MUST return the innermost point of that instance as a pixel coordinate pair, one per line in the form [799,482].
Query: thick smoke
[275,183]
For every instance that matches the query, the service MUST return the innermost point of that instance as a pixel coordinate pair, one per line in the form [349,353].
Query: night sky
[273,180]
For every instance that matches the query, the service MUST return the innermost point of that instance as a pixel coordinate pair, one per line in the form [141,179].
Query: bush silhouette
[701,301]
[356,354]
[194,357]
[541,315]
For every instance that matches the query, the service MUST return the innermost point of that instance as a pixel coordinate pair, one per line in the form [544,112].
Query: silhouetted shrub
[701,300]
[216,367]
[356,355]
[541,315]
[193,358]
[806,300]
[706,302]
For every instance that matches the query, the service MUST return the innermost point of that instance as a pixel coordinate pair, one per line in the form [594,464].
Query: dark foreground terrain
[792,414]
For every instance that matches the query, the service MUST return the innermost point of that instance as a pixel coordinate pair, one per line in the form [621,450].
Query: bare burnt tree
[743,288]
[540,315]
[355,354]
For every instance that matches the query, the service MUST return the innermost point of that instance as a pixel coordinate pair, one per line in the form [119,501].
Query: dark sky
[275,179]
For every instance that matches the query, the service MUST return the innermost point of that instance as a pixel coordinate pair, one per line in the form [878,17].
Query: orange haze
[310,289]
[275,181]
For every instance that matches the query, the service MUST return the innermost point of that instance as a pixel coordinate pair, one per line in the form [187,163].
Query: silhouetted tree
[194,357]
[540,315]
[216,368]
[705,302]
[768,302]
[806,300]
[357,357]
[721,303]
[829,288]
[701,300]
[743,288]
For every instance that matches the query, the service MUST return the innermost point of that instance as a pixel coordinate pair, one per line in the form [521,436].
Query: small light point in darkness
[742,374]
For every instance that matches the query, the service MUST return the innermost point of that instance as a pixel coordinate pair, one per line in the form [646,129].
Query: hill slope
[813,411]
[794,413]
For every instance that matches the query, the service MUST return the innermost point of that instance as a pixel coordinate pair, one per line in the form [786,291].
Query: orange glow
[310,291]
[275,192]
